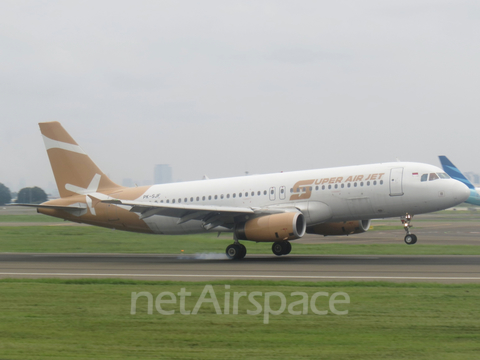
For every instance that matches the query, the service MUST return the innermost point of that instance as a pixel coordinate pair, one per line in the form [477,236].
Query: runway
[209,267]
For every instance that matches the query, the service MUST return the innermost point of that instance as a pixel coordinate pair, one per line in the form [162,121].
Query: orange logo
[301,190]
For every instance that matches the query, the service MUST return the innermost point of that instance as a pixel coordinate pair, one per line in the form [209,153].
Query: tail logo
[91,188]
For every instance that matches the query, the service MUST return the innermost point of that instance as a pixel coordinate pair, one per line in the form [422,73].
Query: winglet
[453,171]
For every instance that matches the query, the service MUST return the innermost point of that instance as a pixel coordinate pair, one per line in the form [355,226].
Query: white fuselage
[326,195]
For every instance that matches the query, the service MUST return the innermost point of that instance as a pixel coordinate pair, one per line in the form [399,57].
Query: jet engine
[340,228]
[276,227]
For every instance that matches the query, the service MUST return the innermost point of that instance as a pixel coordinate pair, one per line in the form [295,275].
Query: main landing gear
[410,238]
[236,251]
[281,248]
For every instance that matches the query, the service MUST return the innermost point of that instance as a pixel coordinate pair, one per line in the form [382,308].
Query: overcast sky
[224,87]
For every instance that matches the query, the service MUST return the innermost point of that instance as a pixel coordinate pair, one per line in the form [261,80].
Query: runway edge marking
[248,276]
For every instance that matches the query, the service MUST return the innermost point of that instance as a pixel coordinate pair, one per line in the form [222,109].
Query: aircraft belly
[169,225]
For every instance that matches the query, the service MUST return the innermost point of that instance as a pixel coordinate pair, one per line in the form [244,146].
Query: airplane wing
[212,216]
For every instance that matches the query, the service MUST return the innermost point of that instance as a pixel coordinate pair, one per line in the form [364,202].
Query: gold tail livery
[273,208]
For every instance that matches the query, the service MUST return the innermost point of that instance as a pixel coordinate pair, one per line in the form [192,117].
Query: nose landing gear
[410,238]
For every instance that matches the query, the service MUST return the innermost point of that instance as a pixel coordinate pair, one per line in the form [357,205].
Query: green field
[89,239]
[87,319]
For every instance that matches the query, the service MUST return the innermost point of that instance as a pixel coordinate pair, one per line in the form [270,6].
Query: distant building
[128,182]
[162,174]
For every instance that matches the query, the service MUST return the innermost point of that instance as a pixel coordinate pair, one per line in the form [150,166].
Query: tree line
[28,195]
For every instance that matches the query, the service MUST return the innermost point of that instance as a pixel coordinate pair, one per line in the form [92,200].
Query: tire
[287,248]
[410,239]
[233,251]
[278,248]
[243,251]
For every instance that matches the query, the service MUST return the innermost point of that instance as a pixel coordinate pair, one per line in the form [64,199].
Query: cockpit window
[433,176]
[424,177]
[443,176]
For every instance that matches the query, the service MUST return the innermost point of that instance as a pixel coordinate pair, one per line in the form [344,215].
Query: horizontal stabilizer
[57,207]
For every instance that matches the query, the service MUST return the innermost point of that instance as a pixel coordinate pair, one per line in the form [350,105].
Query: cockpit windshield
[434,176]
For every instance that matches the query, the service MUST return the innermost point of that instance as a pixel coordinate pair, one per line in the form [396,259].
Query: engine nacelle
[276,227]
[340,228]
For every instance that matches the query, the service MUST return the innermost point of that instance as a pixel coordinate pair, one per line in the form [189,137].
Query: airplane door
[396,187]
[272,194]
[283,192]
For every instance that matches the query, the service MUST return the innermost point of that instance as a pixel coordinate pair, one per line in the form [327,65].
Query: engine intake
[340,228]
[285,226]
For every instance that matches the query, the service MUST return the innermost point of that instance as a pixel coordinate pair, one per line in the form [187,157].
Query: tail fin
[75,173]
[452,170]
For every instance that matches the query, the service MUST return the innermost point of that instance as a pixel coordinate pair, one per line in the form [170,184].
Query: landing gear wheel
[236,251]
[244,251]
[277,248]
[410,239]
[281,248]
[288,248]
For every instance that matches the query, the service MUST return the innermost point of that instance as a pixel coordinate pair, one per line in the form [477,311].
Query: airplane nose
[461,191]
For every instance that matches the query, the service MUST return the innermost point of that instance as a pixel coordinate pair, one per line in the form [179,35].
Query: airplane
[273,208]
[456,174]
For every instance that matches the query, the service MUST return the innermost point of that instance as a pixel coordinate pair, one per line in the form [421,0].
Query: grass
[86,239]
[90,318]
[28,218]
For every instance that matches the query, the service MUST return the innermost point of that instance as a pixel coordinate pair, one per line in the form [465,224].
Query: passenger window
[323,187]
[173,201]
[216,197]
[209,197]
[271,192]
[264,192]
[198,199]
[381,182]
[259,193]
[203,198]
[424,177]
[316,187]
[342,186]
[368,183]
[239,194]
[355,184]
[253,193]
[432,177]
[375,182]
[221,196]
[329,187]
[179,200]
[349,184]
[228,196]
[246,194]
[191,199]
[186,200]
[168,201]
[234,195]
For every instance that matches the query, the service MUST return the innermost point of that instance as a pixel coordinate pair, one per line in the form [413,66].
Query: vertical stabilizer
[453,171]
[75,173]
